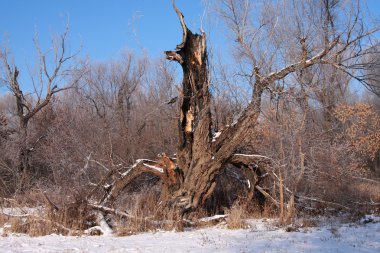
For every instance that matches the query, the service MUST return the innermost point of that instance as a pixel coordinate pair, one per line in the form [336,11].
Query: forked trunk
[198,156]
[194,152]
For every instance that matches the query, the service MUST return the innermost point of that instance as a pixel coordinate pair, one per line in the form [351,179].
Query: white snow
[161,170]
[261,237]
[139,161]
[21,211]
[215,217]
[256,156]
[143,161]
[370,218]
[127,171]
[215,136]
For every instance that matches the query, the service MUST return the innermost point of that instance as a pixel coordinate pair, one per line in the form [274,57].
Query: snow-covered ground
[261,237]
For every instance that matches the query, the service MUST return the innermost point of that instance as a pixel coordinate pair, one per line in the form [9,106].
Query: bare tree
[371,69]
[51,79]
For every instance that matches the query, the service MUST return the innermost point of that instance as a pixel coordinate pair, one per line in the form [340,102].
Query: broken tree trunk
[200,155]
[164,168]
[194,150]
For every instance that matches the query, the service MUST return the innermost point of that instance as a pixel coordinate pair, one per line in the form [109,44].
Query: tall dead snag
[194,150]
[199,156]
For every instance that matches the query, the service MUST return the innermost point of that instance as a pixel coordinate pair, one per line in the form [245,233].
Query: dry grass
[369,190]
[33,226]
[307,223]
[41,224]
[236,217]
[147,214]
[38,218]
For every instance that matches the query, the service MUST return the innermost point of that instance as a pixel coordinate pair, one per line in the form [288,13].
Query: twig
[321,201]
[51,204]
[366,179]
[183,25]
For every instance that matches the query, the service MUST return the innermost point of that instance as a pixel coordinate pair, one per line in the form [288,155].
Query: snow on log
[216,135]
[254,156]
[103,226]
[161,170]
[217,217]
[249,159]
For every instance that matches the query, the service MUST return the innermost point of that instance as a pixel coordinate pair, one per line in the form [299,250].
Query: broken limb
[164,168]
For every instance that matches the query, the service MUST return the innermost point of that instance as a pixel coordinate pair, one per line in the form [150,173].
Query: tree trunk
[23,153]
[198,155]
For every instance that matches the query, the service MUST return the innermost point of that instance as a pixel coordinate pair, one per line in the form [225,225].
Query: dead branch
[367,203]
[267,195]
[110,210]
[367,179]
[320,201]
[164,168]
[101,184]
[51,204]
[183,25]
[15,215]
[248,159]
[115,212]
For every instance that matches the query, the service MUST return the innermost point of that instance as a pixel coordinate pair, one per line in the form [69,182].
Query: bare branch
[183,25]
[164,169]
[267,195]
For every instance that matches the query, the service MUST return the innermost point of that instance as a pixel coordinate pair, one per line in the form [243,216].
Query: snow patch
[255,156]
[154,168]
[126,172]
[369,218]
[215,217]
[215,136]
[262,236]
[22,211]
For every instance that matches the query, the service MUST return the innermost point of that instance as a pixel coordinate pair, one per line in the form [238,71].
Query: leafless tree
[371,69]
[51,78]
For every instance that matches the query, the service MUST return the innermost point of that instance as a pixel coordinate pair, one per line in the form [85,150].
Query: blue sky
[105,28]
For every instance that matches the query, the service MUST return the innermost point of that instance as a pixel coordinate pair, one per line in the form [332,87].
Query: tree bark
[198,155]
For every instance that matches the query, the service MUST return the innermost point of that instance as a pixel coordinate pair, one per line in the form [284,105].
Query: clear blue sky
[105,28]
